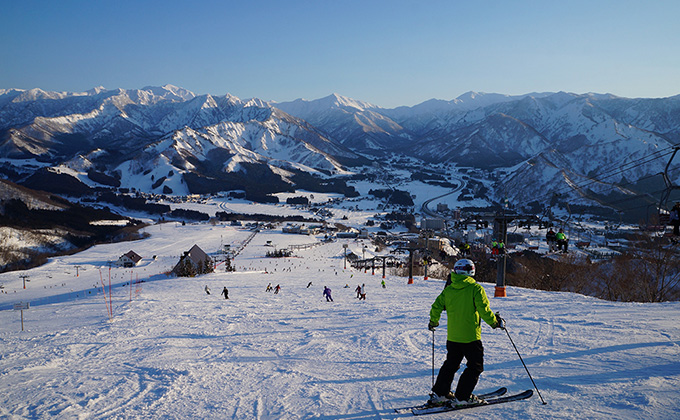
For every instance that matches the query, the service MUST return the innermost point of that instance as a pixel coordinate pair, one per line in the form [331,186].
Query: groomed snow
[172,351]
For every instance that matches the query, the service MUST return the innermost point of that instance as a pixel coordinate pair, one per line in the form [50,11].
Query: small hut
[193,262]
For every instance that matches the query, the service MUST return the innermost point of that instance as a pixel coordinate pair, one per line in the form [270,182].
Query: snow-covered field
[172,351]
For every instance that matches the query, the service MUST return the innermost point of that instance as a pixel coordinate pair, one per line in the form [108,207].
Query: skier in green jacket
[465,302]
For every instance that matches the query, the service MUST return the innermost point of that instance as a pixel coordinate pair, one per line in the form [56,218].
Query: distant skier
[327,294]
[382,283]
[465,302]
[362,292]
[225,292]
[276,289]
[358,290]
[269,288]
[207,289]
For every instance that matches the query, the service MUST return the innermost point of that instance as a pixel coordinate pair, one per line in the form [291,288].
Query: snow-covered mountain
[162,130]
[168,139]
[603,140]
[358,125]
[587,136]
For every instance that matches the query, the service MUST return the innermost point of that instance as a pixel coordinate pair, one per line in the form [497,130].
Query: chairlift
[667,180]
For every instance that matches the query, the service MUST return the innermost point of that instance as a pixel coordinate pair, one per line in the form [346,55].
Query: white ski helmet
[464,266]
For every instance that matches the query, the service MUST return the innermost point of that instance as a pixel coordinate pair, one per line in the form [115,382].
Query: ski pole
[433,358]
[525,367]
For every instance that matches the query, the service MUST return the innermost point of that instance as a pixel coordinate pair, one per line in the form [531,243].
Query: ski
[442,409]
[492,394]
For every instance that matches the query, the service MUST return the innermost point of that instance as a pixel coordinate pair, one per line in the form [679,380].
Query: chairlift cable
[605,175]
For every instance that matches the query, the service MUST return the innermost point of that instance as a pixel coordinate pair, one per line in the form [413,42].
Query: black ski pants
[474,356]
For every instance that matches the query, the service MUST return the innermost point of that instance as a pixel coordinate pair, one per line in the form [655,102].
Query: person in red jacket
[465,302]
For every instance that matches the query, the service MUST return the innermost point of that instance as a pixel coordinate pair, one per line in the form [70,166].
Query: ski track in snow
[174,352]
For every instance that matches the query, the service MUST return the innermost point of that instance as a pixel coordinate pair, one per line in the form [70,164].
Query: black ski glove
[500,322]
[432,325]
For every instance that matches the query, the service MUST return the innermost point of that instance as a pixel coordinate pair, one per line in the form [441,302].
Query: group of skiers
[225,292]
[275,289]
[557,241]
[360,290]
[497,247]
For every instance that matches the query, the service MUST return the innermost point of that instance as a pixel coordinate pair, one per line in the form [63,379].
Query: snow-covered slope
[172,351]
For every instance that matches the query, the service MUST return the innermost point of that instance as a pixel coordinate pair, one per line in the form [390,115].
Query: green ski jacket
[464,301]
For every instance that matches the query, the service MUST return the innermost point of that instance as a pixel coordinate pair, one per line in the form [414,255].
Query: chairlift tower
[500,228]
[665,195]
[411,248]
[24,277]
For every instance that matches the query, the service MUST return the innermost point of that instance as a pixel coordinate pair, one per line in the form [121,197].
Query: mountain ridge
[121,130]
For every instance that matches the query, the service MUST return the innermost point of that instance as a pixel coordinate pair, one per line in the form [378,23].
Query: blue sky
[389,53]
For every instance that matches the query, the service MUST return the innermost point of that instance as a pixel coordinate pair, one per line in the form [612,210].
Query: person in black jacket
[551,239]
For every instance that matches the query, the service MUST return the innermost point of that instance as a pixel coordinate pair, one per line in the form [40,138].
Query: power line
[598,178]
[631,165]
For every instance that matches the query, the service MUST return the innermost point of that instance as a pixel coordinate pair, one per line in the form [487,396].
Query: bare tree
[657,268]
